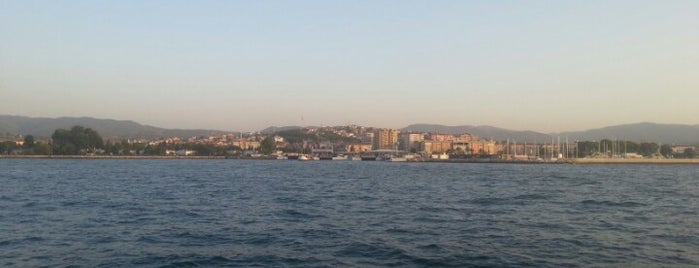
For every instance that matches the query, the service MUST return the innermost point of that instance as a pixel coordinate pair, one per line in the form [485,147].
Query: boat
[394,158]
[325,156]
[368,157]
[303,157]
[292,156]
[340,158]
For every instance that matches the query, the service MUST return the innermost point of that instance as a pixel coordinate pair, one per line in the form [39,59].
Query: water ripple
[217,213]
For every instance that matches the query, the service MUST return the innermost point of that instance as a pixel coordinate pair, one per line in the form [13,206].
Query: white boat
[397,159]
[340,158]
[304,157]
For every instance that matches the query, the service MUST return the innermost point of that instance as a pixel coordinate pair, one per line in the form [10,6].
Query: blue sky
[246,65]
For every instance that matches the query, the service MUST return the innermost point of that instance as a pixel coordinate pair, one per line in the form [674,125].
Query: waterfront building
[679,149]
[367,137]
[246,144]
[358,147]
[440,137]
[385,138]
[464,143]
[411,141]
[431,147]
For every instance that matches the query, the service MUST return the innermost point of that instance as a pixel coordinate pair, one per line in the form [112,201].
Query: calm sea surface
[214,213]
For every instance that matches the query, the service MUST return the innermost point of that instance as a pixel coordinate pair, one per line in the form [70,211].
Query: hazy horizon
[542,66]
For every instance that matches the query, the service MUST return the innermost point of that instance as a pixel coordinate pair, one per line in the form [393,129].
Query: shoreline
[575,161]
[107,157]
[594,161]
[581,161]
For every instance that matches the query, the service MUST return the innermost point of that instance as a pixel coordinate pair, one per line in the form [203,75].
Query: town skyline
[15,126]
[347,143]
[544,66]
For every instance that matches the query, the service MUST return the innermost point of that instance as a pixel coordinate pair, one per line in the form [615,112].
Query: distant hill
[641,132]
[484,132]
[272,130]
[112,129]
[107,128]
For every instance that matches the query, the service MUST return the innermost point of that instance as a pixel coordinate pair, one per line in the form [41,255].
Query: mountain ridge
[638,132]
[12,125]
[108,128]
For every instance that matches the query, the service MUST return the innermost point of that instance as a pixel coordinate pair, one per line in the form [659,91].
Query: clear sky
[246,65]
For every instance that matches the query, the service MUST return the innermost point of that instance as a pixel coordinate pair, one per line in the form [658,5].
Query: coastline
[632,161]
[580,161]
[108,157]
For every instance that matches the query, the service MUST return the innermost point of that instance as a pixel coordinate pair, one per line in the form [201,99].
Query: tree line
[608,147]
[79,140]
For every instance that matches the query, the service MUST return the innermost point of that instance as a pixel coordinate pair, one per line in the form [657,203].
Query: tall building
[385,139]
[411,141]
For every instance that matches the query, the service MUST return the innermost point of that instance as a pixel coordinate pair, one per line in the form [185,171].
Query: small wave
[296,201]
[33,239]
[103,240]
[183,212]
[258,240]
[174,261]
[431,255]
[431,247]
[70,203]
[291,214]
[612,203]
[320,234]
[429,219]
[486,201]
[149,240]
[194,239]
[531,197]
[181,264]
[358,249]
[398,231]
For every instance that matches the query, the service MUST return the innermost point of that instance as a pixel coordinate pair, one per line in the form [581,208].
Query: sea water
[218,213]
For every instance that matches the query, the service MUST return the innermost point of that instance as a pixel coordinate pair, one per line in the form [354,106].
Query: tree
[689,153]
[648,149]
[28,142]
[666,150]
[7,147]
[77,140]
[586,148]
[267,145]
[41,148]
